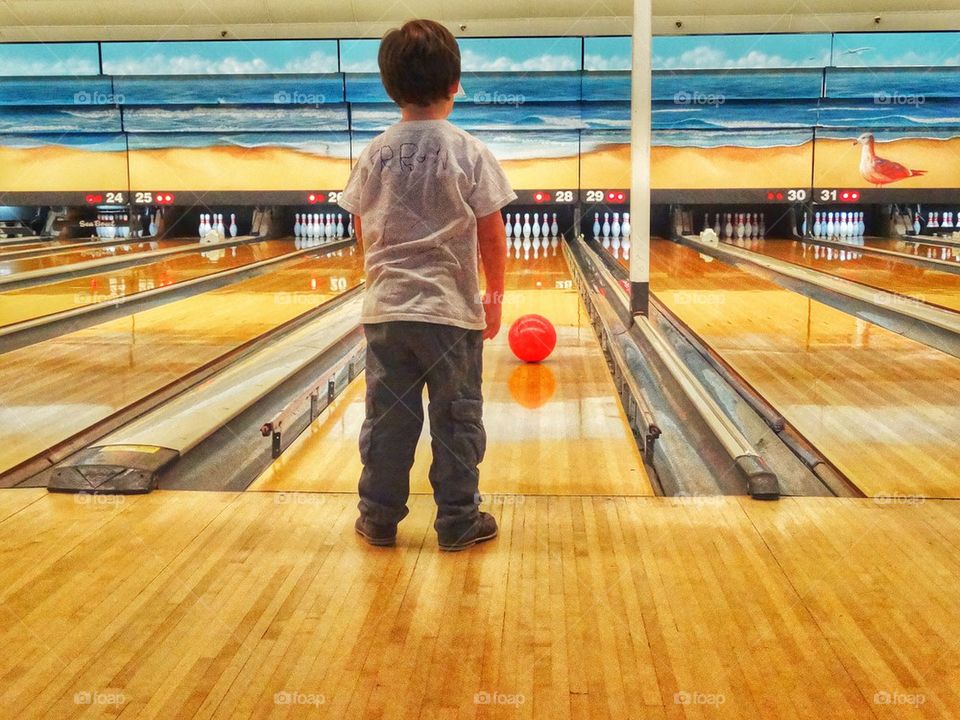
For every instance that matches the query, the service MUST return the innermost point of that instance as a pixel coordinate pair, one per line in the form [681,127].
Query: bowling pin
[517,230]
[350,226]
[748,227]
[728,228]
[606,225]
[716,225]
[625,228]
[508,228]
[526,227]
[202,227]
[233,224]
[740,227]
[554,227]
[296,225]
[763,225]
[596,225]
[706,220]
[339,225]
[861,226]
[615,226]
[317,226]
[536,225]
[152,228]
[830,226]
[307,227]
[221,230]
[817,227]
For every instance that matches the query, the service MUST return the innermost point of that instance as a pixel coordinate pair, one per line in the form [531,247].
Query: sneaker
[483,528]
[379,535]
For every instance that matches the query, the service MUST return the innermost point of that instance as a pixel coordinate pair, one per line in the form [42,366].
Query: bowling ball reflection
[532,385]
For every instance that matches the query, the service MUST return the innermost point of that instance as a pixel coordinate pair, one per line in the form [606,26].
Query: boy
[426,198]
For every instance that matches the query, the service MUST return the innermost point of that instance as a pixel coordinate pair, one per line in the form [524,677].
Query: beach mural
[728,111]
[890,117]
[853,110]
[521,99]
[232,116]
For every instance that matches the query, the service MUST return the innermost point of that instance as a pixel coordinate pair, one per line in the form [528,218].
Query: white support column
[641,82]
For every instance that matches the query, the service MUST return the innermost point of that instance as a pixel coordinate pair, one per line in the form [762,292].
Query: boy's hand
[492,239]
[493,310]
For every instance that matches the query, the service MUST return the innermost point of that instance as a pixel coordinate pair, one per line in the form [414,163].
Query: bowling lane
[935,287]
[40,300]
[881,407]
[69,257]
[552,429]
[37,245]
[54,389]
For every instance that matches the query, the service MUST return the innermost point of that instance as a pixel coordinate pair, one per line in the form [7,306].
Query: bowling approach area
[721,425]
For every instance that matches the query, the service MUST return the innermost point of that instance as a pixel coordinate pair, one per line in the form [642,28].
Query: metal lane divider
[131,458]
[320,395]
[761,481]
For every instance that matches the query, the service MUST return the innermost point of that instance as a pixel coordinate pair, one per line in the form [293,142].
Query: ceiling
[59,20]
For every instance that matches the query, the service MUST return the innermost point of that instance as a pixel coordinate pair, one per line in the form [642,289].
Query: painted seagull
[878,170]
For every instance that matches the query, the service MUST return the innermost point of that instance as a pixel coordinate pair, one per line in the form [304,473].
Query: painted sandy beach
[233,168]
[837,162]
[54,168]
[702,168]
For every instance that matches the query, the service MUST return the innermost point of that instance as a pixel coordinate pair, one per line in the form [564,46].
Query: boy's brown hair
[419,63]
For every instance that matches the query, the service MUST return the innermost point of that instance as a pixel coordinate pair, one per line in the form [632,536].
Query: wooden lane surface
[209,605]
[39,300]
[54,389]
[900,276]
[51,244]
[69,257]
[555,428]
[881,407]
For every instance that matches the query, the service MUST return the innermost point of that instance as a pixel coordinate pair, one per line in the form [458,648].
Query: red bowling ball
[532,338]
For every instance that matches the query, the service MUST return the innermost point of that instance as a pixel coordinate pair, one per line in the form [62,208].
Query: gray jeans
[402,357]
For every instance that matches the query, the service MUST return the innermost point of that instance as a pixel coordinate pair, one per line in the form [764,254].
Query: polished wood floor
[37,301]
[881,407]
[554,428]
[221,605]
[51,390]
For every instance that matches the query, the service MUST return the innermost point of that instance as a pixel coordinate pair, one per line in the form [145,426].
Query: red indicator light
[311,198]
[771,196]
[94,199]
[849,196]
[779,196]
[620,197]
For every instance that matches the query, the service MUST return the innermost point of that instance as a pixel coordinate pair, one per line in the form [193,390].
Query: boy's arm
[492,239]
[358,233]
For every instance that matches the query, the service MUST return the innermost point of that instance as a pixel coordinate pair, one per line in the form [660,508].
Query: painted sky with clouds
[896,49]
[220,58]
[49,59]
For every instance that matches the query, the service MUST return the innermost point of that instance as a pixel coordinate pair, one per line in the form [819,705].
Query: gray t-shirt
[419,188]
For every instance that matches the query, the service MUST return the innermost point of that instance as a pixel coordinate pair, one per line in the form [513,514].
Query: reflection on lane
[68,257]
[936,287]
[40,300]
